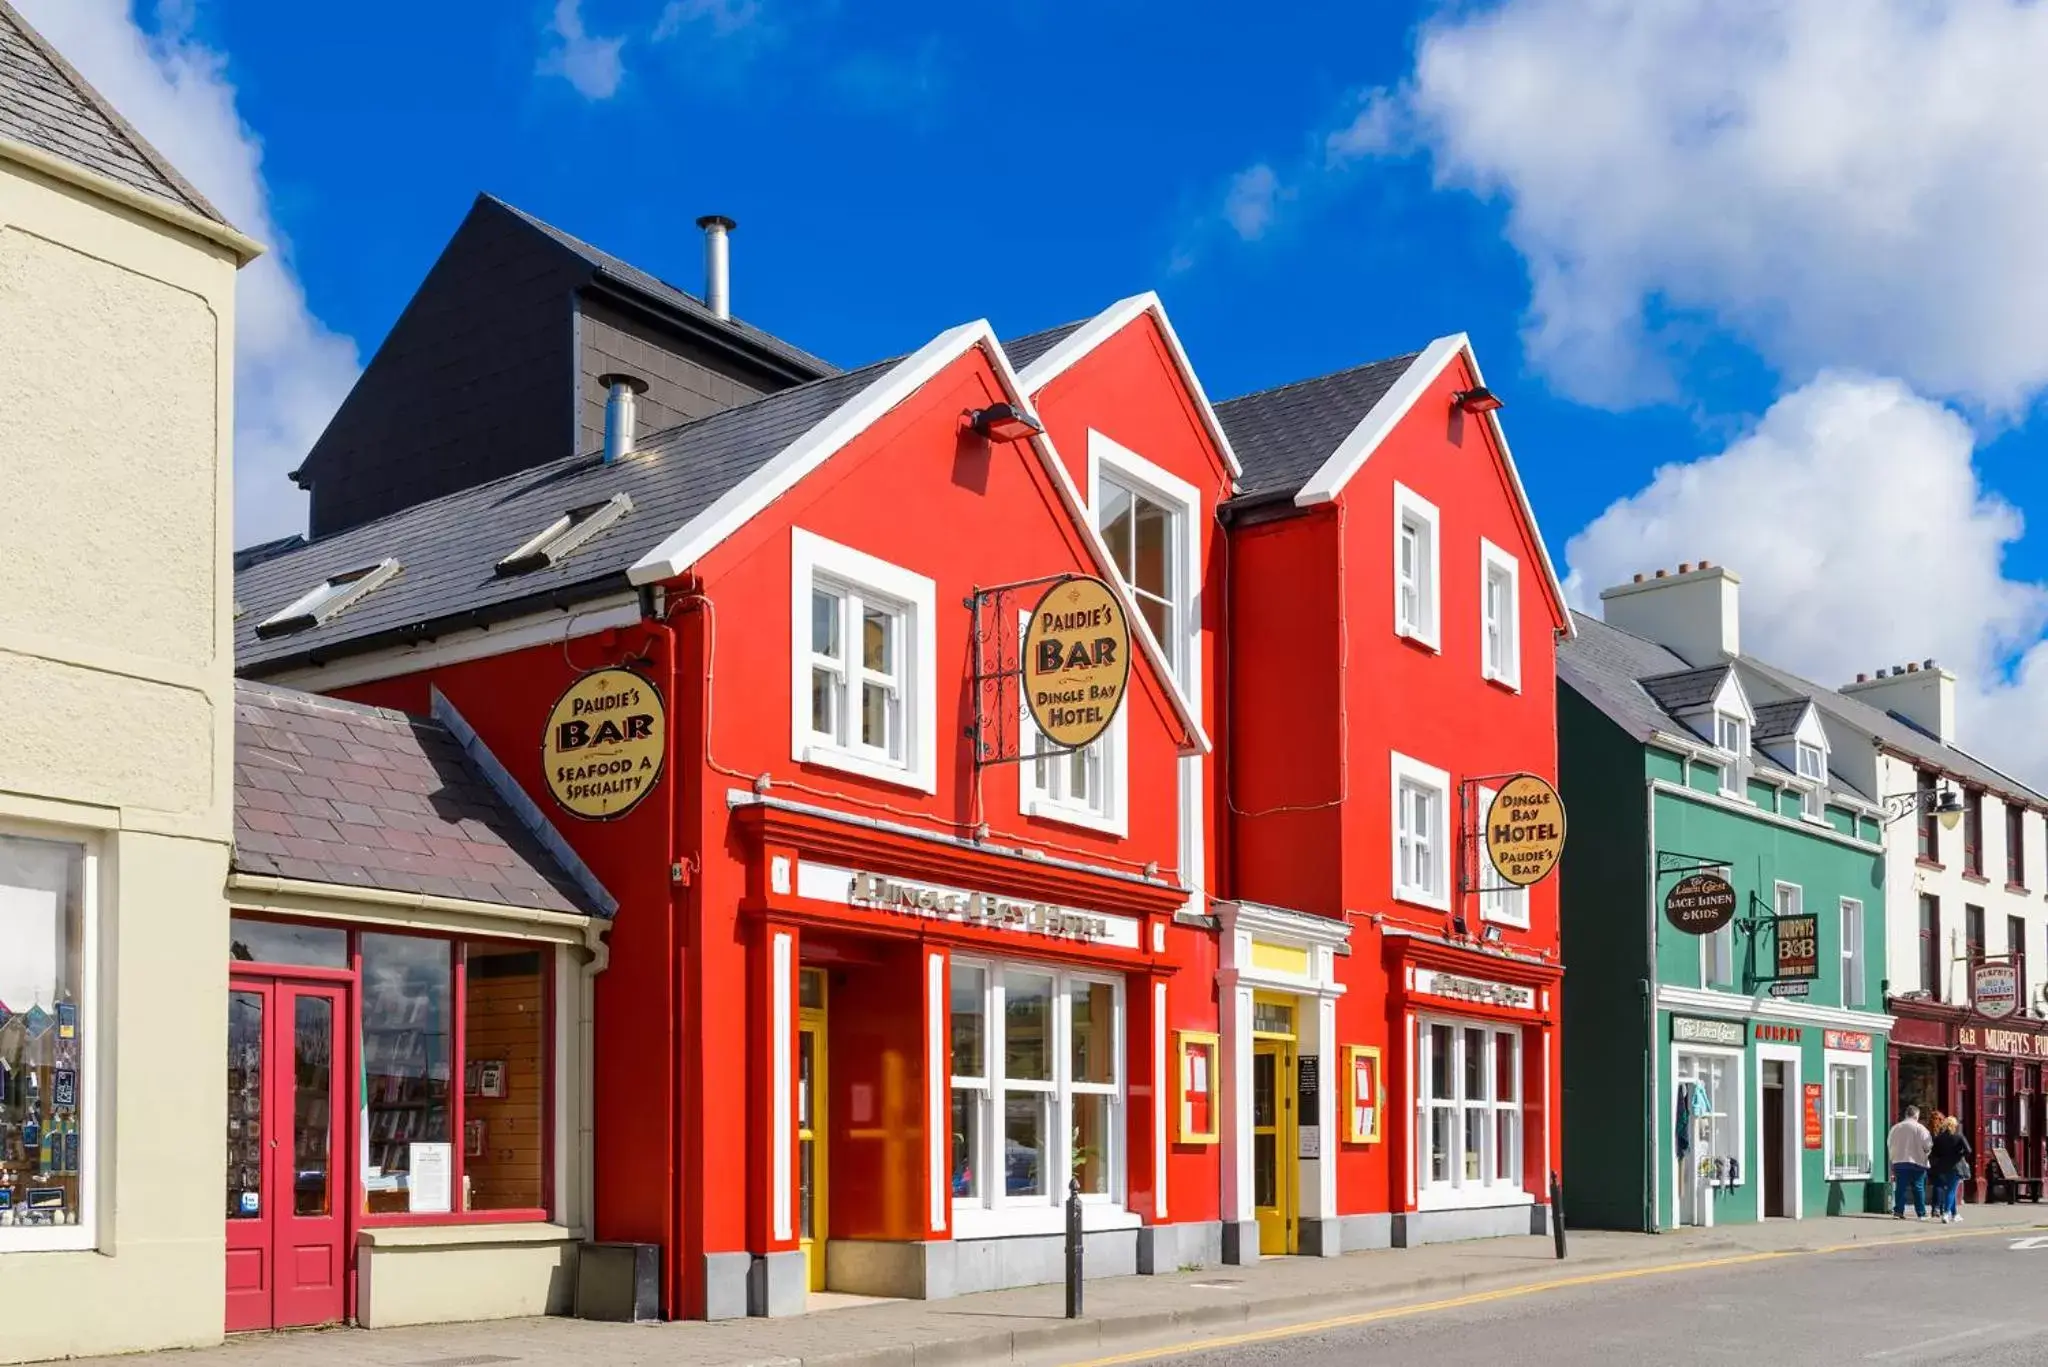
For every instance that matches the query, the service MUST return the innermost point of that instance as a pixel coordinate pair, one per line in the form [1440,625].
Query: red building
[1391,622]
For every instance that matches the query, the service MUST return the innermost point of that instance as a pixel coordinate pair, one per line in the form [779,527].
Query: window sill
[1923,862]
[1415,897]
[1503,682]
[1081,817]
[1472,1198]
[1414,636]
[847,762]
[48,1239]
[1004,1222]
[2018,888]
[1494,918]
[1976,878]
[464,1235]
[1849,1176]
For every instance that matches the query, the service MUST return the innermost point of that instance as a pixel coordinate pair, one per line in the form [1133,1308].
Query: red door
[286,1181]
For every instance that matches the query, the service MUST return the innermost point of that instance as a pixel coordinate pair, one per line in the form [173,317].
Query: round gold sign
[1077,661]
[1525,829]
[606,739]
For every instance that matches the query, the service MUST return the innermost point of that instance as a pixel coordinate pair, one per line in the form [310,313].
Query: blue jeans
[1909,1177]
[1945,1187]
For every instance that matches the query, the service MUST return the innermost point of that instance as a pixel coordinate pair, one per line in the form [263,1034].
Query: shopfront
[1990,1077]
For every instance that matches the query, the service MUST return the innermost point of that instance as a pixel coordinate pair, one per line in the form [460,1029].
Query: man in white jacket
[1910,1146]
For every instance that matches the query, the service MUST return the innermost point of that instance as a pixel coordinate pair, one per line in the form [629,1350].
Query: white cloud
[290,370]
[1855,517]
[723,17]
[1855,183]
[1251,201]
[585,60]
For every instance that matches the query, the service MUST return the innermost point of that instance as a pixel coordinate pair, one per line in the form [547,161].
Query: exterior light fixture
[1492,935]
[1004,422]
[1480,400]
[1944,802]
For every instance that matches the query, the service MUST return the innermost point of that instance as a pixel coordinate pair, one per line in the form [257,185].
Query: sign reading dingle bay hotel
[1525,829]
[606,738]
[1077,661]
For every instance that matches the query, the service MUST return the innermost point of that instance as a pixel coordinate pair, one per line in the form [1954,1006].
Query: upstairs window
[1147,518]
[1931,959]
[1085,787]
[1731,734]
[1853,993]
[2015,845]
[330,599]
[1416,581]
[1813,771]
[1930,824]
[864,680]
[1500,616]
[1421,836]
[1499,900]
[565,534]
[1973,935]
[2016,946]
[1973,832]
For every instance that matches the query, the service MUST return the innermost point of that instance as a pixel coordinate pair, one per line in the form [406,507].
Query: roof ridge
[329,703]
[1317,379]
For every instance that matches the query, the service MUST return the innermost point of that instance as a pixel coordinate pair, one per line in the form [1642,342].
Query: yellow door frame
[812,1021]
[1279,1224]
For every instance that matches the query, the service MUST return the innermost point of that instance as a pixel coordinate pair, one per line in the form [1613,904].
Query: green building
[1723,927]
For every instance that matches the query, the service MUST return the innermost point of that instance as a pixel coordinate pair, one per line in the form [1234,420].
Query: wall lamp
[1943,802]
[1480,400]
[1004,422]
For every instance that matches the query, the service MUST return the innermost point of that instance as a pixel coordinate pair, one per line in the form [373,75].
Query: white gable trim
[1351,454]
[746,500]
[1733,700]
[1107,324]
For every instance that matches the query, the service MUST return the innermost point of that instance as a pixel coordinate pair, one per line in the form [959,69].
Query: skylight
[565,534]
[321,604]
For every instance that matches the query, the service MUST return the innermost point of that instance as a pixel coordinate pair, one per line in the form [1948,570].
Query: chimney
[1693,612]
[1923,693]
[620,424]
[717,263]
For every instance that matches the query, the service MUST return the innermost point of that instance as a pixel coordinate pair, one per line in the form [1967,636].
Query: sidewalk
[1124,1313]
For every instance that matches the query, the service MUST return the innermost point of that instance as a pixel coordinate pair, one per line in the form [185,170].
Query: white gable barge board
[1329,480]
[832,434]
[1107,324]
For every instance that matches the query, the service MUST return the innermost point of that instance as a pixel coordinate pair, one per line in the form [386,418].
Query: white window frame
[1501,665]
[1813,795]
[1413,773]
[1424,624]
[554,542]
[994,1212]
[1853,970]
[1732,771]
[817,562]
[1112,464]
[1779,900]
[1499,902]
[95,1017]
[328,599]
[1862,1098]
[1108,809]
[1716,950]
[1727,1109]
[1493,1188]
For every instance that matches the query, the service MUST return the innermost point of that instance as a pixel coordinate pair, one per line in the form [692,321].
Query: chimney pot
[620,421]
[1685,567]
[1912,669]
[1706,564]
[1862,678]
[1639,576]
[717,263]
[1927,663]
[1661,574]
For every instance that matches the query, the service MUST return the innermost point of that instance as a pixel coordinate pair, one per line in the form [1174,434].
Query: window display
[1200,1075]
[1362,1099]
[1468,1107]
[505,1043]
[45,1072]
[408,1040]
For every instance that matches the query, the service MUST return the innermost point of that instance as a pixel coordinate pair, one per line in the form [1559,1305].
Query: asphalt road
[1976,1301]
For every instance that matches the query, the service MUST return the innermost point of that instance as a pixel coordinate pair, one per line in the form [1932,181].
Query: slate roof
[1775,720]
[625,273]
[1282,436]
[1027,349]
[1603,665]
[47,105]
[336,792]
[449,548]
[1684,691]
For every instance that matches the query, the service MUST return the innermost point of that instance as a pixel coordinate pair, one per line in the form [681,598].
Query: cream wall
[116,354]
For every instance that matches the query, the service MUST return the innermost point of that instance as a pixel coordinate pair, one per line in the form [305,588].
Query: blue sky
[1760,282]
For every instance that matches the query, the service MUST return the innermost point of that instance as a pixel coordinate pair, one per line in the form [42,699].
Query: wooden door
[1777,1177]
[813,1227]
[1273,1141]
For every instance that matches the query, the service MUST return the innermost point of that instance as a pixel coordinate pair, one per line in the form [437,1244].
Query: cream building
[117,286]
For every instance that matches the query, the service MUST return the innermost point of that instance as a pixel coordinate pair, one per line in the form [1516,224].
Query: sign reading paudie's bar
[1077,661]
[1525,829]
[605,742]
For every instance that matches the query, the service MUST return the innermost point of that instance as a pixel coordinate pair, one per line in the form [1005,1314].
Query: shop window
[1973,832]
[1037,1092]
[1145,515]
[1931,958]
[1085,787]
[1853,966]
[1500,615]
[1849,1118]
[1468,1111]
[48,1043]
[2015,845]
[1417,591]
[1421,838]
[1499,900]
[329,600]
[863,686]
[1930,822]
[281,942]
[1716,1111]
[1813,772]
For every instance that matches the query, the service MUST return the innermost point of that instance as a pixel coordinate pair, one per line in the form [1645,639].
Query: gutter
[290,895]
[245,249]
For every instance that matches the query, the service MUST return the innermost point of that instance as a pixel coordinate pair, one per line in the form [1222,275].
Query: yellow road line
[1395,1312]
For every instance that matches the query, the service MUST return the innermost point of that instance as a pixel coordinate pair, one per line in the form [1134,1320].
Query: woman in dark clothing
[1950,1164]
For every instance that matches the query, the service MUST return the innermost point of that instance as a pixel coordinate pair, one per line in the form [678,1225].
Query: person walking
[1949,1160]
[1910,1147]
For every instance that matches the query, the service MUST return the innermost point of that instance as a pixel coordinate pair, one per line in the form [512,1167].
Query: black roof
[47,105]
[1027,349]
[1282,436]
[1775,720]
[1687,689]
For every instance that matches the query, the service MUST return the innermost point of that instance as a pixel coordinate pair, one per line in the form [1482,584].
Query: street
[1964,1301]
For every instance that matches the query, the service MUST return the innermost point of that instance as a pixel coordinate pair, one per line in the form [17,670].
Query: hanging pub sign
[1798,947]
[1995,990]
[1525,829]
[1700,904]
[1077,661]
[604,745]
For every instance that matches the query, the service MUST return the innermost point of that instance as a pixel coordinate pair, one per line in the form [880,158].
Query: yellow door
[810,1124]
[1273,1141]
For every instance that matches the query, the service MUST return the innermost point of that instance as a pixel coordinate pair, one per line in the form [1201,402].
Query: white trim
[1402,770]
[785,1128]
[1113,762]
[1107,324]
[1860,958]
[551,627]
[1505,905]
[938,1087]
[328,599]
[1735,1006]
[1351,454]
[1680,1174]
[1408,1037]
[1830,1060]
[1428,629]
[1457,1193]
[1159,1135]
[1749,809]
[917,598]
[1795,1104]
[1007,1222]
[1509,674]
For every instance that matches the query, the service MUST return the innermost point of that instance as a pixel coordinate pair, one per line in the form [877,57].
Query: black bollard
[1074,1249]
[1557,1214]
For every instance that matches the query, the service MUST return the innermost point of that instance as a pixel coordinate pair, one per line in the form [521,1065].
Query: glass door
[810,1125]
[1273,1144]
[248,1123]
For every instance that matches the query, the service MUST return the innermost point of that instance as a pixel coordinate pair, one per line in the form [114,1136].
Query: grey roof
[47,105]
[336,792]
[1775,720]
[1604,665]
[661,291]
[1686,690]
[1024,350]
[449,548]
[1282,436]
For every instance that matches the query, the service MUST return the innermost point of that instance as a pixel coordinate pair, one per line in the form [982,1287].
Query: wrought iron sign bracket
[998,669]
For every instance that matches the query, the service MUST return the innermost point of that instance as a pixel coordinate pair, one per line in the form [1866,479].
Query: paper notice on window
[433,1168]
[1198,1072]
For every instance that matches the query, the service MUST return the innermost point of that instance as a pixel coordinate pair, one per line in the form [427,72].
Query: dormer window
[1813,771]
[320,605]
[565,534]
[1731,733]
